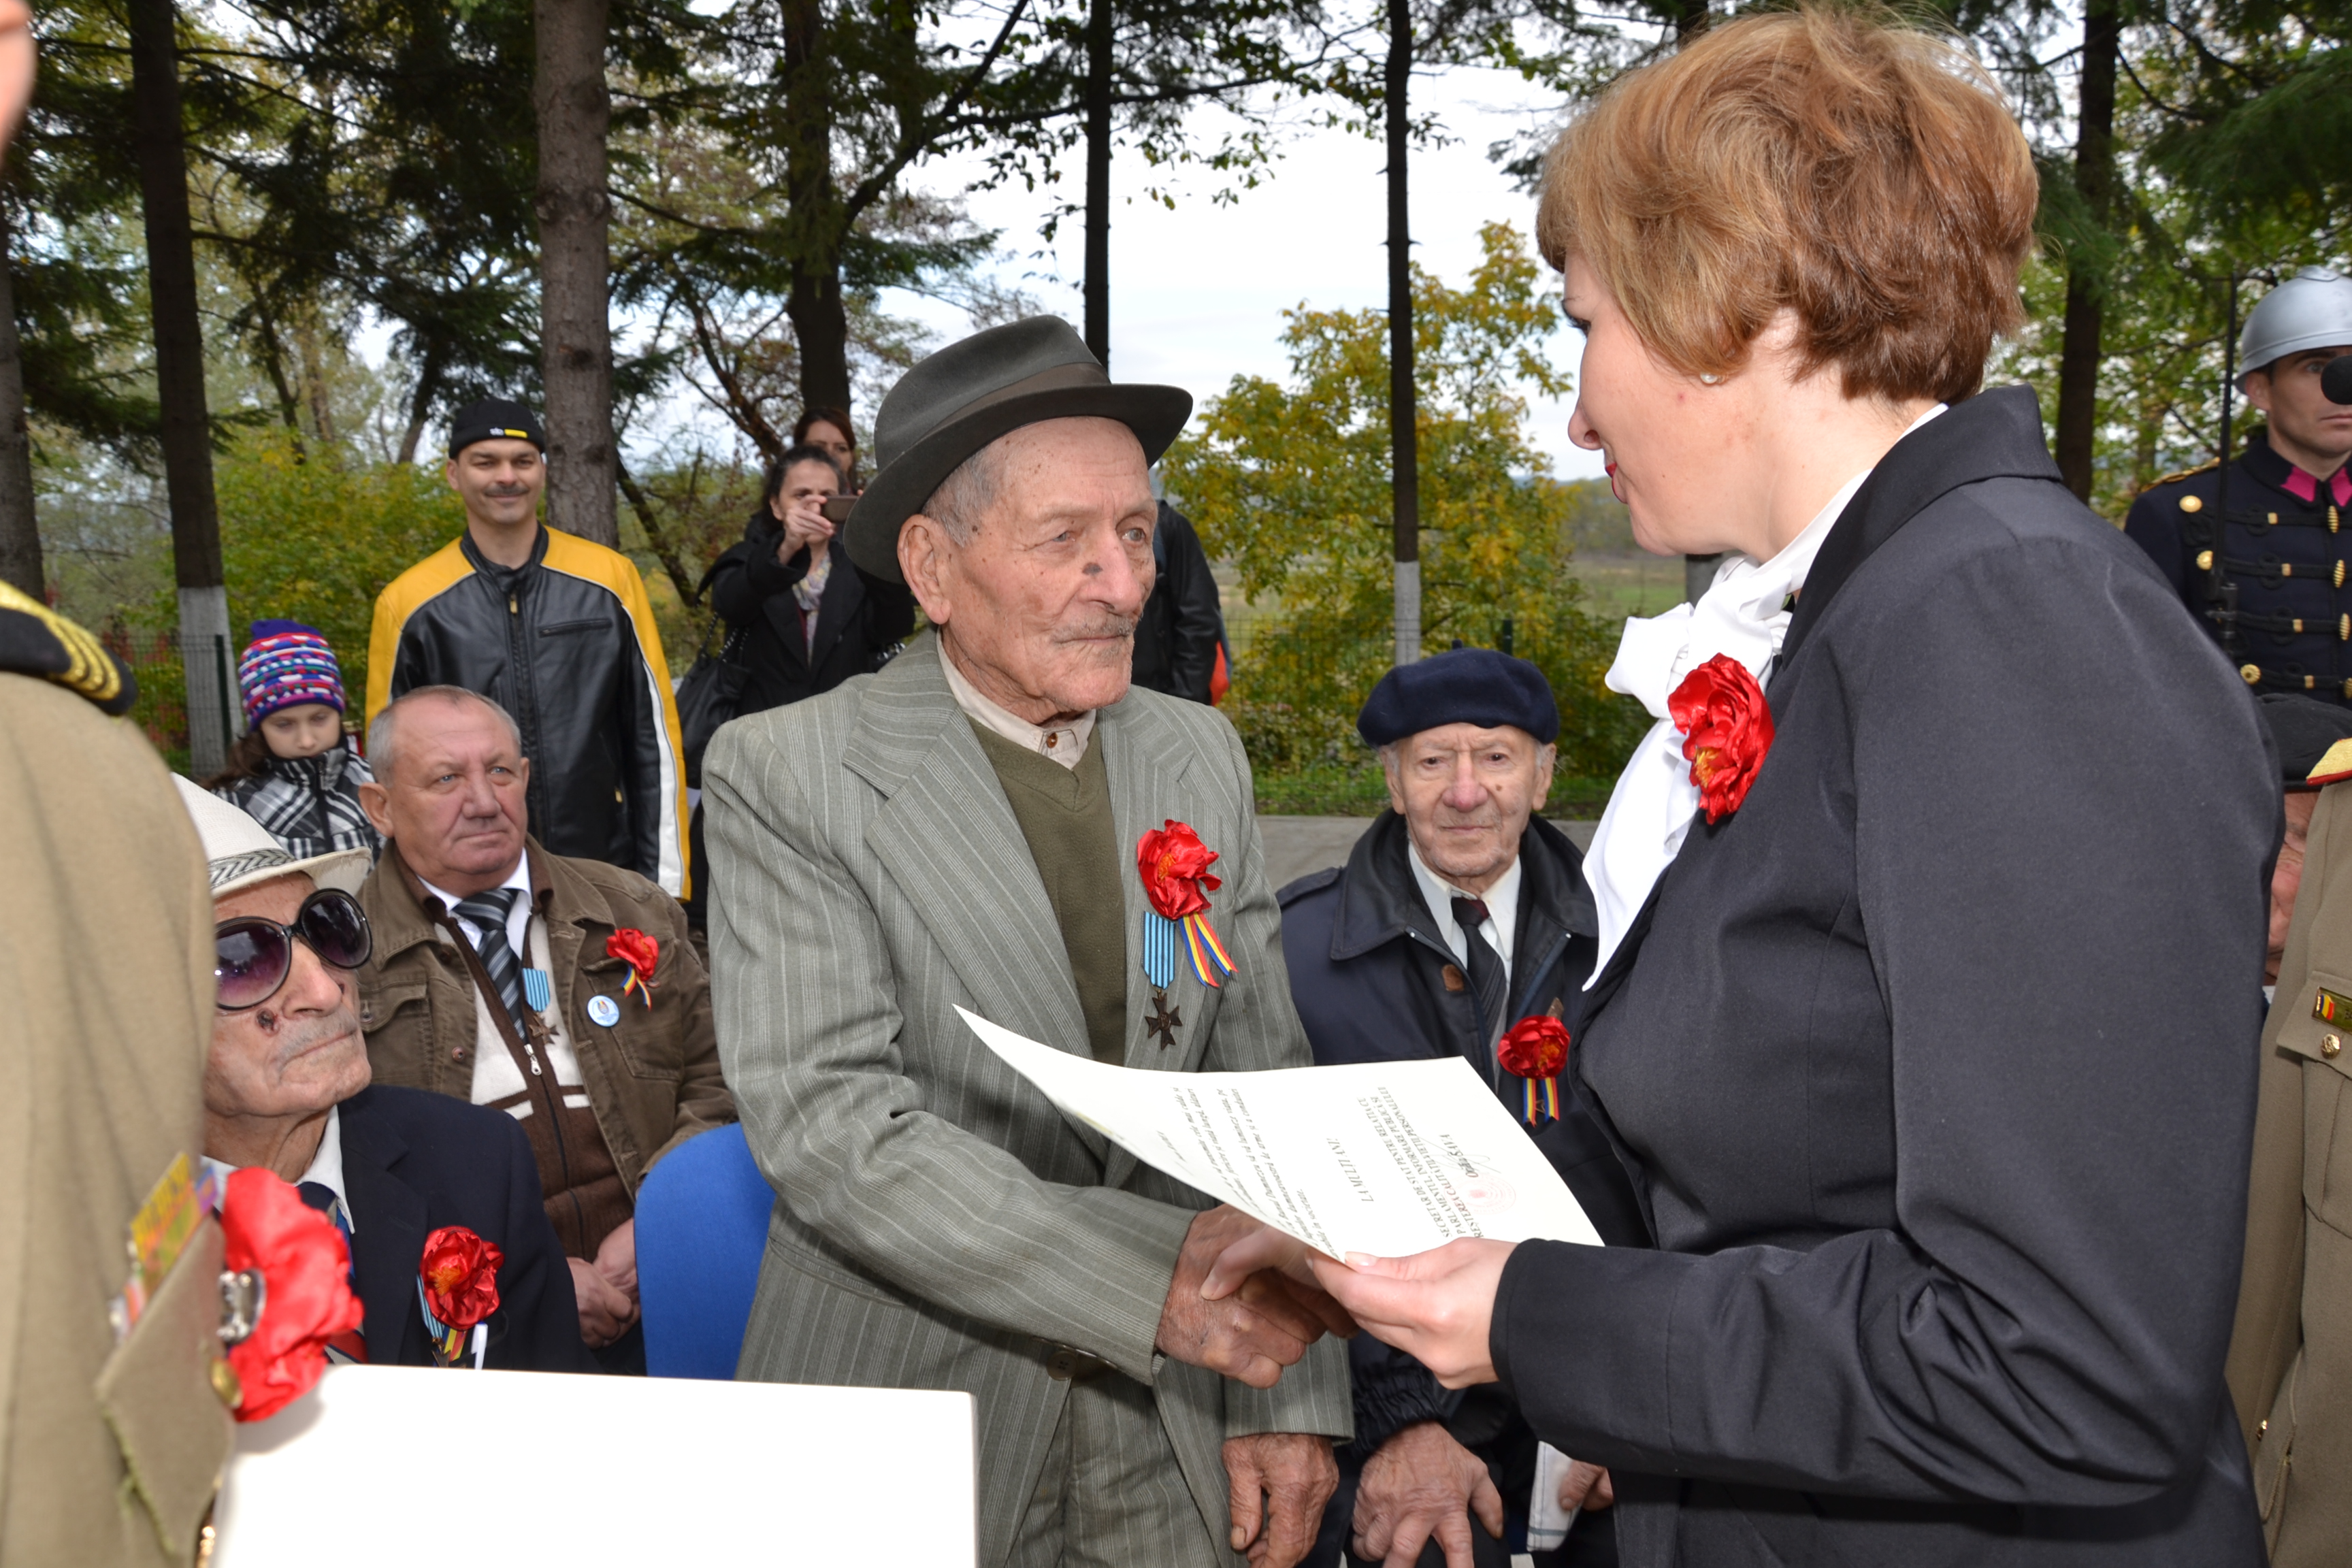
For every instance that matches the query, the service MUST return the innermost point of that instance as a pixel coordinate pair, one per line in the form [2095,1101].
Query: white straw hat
[240,854]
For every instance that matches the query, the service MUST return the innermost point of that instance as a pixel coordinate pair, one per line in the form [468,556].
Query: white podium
[402,1466]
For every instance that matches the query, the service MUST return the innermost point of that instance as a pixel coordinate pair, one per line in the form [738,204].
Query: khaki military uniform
[109,1453]
[2291,1354]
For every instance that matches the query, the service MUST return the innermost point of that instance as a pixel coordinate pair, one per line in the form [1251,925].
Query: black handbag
[712,691]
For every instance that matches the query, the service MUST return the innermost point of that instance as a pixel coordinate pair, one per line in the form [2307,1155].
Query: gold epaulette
[2175,479]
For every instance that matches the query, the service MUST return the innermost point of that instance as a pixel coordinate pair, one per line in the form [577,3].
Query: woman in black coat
[1928,1015]
[803,637]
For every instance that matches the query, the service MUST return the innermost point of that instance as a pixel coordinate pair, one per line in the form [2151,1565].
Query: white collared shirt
[326,1168]
[517,915]
[1502,901]
[1063,743]
[1744,613]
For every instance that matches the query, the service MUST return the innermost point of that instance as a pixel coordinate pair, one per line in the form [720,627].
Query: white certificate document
[1386,1158]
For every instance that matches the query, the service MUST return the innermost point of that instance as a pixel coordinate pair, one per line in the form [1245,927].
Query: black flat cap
[495,419]
[1467,686]
[2304,729]
[970,393]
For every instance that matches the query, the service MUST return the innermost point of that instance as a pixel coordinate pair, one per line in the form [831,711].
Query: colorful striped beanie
[287,664]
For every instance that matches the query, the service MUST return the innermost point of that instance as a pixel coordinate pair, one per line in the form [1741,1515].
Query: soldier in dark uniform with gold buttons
[2275,539]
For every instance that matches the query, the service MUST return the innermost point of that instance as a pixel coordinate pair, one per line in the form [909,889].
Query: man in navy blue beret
[1461,914]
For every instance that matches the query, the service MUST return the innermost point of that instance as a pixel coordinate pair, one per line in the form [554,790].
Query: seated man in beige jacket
[2291,1352]
[561,991]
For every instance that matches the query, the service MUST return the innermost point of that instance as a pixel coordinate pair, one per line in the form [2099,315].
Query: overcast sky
[1197,294]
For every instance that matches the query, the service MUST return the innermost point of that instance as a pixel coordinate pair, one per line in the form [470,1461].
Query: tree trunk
[1098,46]
[162,150]
[575,110]
[420,405]
[819,315]
[1404,455]
[1690,20]
[20,532]
[2078,354]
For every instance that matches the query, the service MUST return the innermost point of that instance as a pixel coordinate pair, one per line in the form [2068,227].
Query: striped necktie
[352,1343]
[1488,983]
[488,912]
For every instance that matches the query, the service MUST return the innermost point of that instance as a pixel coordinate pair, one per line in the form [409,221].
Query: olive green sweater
[1065,814]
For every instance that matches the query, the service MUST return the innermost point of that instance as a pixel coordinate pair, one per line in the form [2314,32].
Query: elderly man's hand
[1279,1482]
[616,1259]
[606,1310]
[1421,1483]
[1585,1485]
[1250,1334]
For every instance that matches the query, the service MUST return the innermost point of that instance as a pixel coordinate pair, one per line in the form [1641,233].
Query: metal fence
[194,738]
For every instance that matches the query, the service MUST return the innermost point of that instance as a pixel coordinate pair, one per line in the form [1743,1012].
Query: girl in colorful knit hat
[294,770]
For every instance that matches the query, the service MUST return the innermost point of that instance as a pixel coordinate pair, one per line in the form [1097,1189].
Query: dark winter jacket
[860,621]
[1373,981]
[1176,641]
[565,643]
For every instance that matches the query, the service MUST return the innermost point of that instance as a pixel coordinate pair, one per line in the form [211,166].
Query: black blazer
[860,620]
[414,1161]
[1935,1071]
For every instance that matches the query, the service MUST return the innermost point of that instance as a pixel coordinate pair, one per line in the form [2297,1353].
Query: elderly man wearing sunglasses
[287,1087]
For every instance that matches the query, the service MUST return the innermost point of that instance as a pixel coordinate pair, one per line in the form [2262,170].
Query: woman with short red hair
[1932,910]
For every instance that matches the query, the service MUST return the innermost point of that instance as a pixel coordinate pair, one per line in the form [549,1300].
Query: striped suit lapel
[947,835]
[1146,771]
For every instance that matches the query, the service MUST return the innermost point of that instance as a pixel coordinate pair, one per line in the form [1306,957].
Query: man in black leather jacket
[558,632]
[1176,641]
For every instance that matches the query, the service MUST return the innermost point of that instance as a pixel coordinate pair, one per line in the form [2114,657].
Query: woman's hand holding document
[1384,1158]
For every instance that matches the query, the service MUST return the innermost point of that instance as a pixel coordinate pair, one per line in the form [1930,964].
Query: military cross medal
[1165,1020]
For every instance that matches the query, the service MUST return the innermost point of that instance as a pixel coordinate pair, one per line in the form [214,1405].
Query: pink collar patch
[2304,488]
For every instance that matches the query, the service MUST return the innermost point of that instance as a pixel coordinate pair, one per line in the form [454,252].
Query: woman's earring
[1707,380]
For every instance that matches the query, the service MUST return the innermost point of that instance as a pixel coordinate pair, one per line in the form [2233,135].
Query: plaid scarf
[310,805]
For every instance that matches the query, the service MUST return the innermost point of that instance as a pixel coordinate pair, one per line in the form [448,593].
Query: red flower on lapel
[459,1273]
[1534,1047]
[1175,865]
[641,954]
[1727,729]
[306,1294]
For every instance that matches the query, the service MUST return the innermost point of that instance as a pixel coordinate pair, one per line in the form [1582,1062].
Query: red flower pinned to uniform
[1534,1047]
[459,1274]
[640,953]
[304,1296]
[1727,727]
[1175,865]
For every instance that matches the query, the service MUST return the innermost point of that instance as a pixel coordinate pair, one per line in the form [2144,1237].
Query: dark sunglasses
[252,956]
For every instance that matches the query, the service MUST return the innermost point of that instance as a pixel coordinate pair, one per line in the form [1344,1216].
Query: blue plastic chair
[702,1226]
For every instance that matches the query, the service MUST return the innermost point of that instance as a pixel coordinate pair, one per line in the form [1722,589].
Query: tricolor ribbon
[1164,938]
[450,1344]
[1542,1102]
[1175,865]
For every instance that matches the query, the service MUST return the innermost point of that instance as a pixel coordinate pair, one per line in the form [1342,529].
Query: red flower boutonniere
[458,1286]
[1536,1049]
[640,953]
[1727,727]
[300,1296]
[1175,865]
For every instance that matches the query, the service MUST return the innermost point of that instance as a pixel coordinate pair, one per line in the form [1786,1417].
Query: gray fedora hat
[960,399]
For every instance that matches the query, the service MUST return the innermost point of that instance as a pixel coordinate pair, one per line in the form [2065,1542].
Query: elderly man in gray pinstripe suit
[962,828]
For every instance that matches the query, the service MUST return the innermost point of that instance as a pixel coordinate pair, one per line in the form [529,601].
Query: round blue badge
[603,1011]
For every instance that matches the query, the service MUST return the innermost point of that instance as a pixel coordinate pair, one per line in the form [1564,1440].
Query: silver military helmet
[2312,310]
